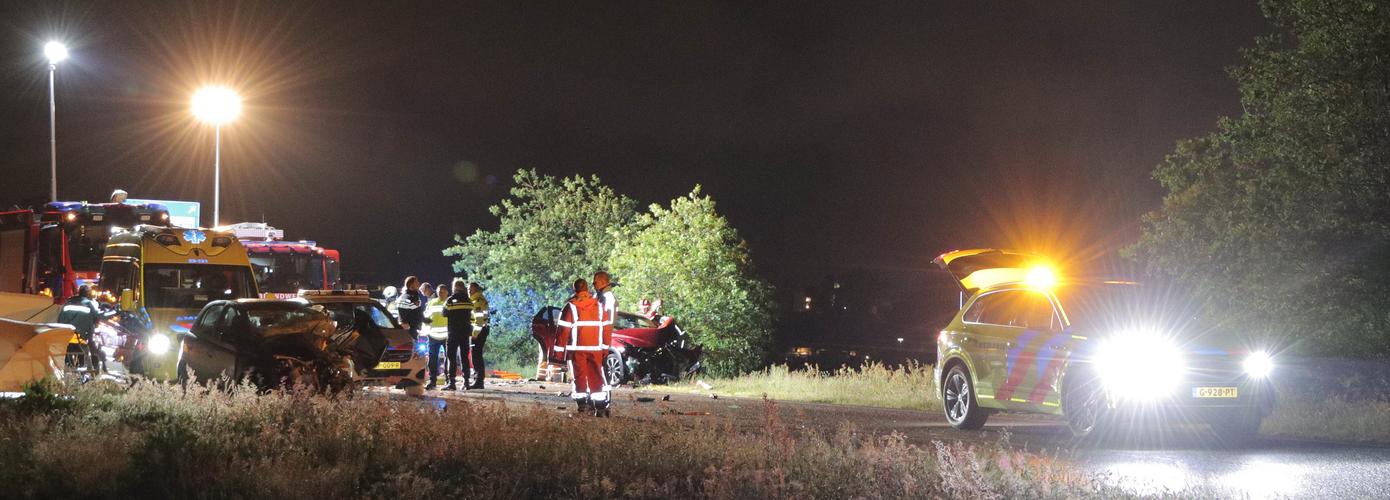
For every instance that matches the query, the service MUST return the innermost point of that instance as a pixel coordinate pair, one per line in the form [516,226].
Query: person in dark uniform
[459,311]
[82,313]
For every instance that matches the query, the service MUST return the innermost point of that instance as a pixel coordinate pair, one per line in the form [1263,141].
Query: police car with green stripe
[1096,352]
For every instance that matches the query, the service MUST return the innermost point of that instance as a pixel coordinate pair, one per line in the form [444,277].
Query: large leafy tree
[1280,219]
[689,256]
[550,232]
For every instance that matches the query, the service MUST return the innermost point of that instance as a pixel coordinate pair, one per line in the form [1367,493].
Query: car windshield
[344,313]
[282,319]
[194,285]
[627,321]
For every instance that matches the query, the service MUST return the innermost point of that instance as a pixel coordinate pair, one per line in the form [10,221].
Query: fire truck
[59,248]
[283,268]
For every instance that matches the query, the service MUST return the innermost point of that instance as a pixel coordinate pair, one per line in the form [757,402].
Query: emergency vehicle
[283,268]
[55,250]
[1098,352]
[163,276]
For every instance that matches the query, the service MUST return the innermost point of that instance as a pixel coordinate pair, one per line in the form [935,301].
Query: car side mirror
[127,299]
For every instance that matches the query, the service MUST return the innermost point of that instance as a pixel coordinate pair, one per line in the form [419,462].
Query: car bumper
[1202,401]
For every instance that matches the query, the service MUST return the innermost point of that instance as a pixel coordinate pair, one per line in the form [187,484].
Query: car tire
[613,369]
[958,397]
[1084,405]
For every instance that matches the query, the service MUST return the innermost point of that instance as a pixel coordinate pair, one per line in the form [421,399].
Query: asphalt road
[1170,461]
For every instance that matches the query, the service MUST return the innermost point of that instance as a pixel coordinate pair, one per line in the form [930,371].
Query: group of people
[455,321]
[588,319]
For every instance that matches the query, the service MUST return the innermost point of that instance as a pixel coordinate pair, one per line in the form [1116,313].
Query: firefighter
[459,311]
[119,196]
[438,332]
[82,313]
[608,303]
[585,349]
[479,338]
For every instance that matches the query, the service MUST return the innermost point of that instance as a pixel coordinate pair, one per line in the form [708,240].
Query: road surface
[1177,460]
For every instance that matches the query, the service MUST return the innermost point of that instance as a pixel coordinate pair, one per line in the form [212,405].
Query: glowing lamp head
[216,105]
[159,344]
[1041,277]
[55,52]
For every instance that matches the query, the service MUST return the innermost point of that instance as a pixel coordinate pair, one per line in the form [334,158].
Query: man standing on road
[480,331]
[585,349]
[410,306]
[438,332]
[459,311]
[82,313]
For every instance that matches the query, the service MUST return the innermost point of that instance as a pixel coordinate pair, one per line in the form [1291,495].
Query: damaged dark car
[269,343]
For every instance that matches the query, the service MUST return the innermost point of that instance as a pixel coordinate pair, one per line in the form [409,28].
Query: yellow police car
[1097,352]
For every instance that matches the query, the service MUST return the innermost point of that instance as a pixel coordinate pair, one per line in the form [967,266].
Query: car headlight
[1258,364]
[159,343]
[1139,365]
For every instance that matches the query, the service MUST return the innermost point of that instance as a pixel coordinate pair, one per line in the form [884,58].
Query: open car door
[985,267]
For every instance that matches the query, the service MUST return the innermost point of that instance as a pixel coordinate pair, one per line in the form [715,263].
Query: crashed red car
[643,351]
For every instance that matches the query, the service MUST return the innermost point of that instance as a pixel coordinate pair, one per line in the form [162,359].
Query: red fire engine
[283,268]
[55,250]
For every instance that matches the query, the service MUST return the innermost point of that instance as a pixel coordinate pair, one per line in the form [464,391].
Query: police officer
[459,311]
[410,306]
[82,313]
[480,331]
[437,331]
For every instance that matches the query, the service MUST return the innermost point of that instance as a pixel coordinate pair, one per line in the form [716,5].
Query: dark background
[865,137]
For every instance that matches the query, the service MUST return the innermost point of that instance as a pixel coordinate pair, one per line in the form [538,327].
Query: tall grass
[1313,414]
[908,387]
[158,441]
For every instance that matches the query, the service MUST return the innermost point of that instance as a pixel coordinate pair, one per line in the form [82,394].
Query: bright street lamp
[55,52]
[216,105]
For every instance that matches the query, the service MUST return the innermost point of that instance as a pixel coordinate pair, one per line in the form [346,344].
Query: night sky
[868,136]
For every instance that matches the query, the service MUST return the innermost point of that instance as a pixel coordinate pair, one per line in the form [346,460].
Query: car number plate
[388,365]
[1214,392]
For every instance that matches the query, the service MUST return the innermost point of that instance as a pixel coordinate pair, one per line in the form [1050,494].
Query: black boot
[601,409]
[585,406]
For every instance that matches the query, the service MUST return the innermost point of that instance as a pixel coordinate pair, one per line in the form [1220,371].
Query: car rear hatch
[985,267]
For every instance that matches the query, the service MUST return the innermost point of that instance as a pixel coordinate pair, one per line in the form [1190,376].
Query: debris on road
[645,399]
[666,397]
[714,396]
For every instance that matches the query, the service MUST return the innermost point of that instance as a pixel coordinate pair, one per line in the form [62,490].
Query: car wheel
[958,394]
[614,369]
[1084,405]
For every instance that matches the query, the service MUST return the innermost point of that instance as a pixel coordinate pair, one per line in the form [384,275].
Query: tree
[550,232]
[692,259]
[1280,219]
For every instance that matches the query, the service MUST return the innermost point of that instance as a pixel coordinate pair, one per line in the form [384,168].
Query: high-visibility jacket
[439,323]
[480,313]
[580,327]
[608,309]
[459,310]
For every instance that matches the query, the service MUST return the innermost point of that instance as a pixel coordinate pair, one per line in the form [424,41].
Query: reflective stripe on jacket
[580,325]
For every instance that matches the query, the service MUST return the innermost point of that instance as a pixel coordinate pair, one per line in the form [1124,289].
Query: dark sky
[873,135]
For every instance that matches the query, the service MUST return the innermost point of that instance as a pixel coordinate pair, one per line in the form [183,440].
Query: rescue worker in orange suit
[459,311]
[585,347]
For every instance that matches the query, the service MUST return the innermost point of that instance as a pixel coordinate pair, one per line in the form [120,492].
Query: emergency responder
[652,310]
[608,303]
[119,196]
[585,347]
[437,331]
[479,338]
[410,306]
[82,313]
[459,311]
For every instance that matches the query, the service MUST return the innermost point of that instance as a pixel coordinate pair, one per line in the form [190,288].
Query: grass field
[158,441]
[1313,415]
[874,384]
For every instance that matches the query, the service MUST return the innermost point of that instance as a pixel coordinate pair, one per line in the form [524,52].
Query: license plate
[388,365]
[1214,392]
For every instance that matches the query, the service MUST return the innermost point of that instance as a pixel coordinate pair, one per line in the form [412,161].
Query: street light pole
[52,135]
[55,52]
[217,176]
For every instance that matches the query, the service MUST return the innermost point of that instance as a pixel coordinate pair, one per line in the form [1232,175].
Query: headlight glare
[159,344]
[1140,365]
[1258,364]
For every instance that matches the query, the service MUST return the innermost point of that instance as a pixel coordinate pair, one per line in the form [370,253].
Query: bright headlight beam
[159,343]
[55,52]
[1258,364]
[1140,365]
